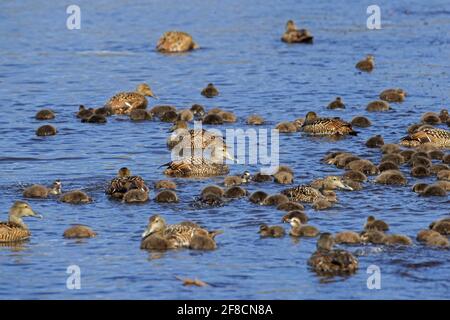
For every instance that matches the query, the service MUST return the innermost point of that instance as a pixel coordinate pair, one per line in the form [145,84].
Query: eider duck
[392,177]
[210,91]
[176,41]
[15,229]
[336,104]
[291,206]
[125,182]
[165,184]
[255,120]
[40,191]
[294,35]
[367,64]
[125,102]
[360,121]
[347,237]
[266,231]
[300,230]
[75,197]
[326,126]
[166,196]
[46,130]
[393,95]
[79,231]
[258,197]
[377,106]
[135,196]
[440,137]
[295,214]
[375,141]
[374,224]
[45,114]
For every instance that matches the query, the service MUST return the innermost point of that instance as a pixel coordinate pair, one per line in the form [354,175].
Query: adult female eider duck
[39,191]
[326,126]
[440,137]
[176,41]
[367,64]
[294,35]
[125,102]
[15,229]
[125,182]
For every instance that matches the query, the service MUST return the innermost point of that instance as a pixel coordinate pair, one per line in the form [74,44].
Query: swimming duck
[303,193]
[46,130]
[298,123]
[387,165]
[290,206]
[300,230]
[83,112]
[198,111]
[185,115]
[178,126]
[166,196]
[420,172]
[194,139]
[392,177]
[377,106]
[102,111]
[45,114]
[440,137]
[210,91]
[272,231]
[283,177]
[424,234]
[390,148]
[158,111]
[417,160]
[375,141]
[204,240]
[125,102]
[176,41]
[228,117]
[326,126]
[330,183]
[446,159]
[235,192]
[322,204]
[347,237]
[258,197]
[436,154]
[336,104]
[443,184]
[15,229]
[363,165]
[260,177]
[255,120]
[373,236]
[209,199]
[237,180]
[295,214]
[407,154]
[419,187]
[329,261]
[125,182]
[165,184]
[442,226]
[393,157]
[169,116]
[286,127]
[374,224]
[434,190]
[397,239]
[79,231]
[135,196]
[353,175]
[443,175]
[430,118]
[140,115]
[438,241]
[39,191]
[294,35]
[275,200]
[367,64]
[214,119]
[95,118]
[75,197]
[393,95]
[214,190]
[361,122]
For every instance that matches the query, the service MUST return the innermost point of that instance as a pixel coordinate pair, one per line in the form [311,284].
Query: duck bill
[344,186]
[36,215]
[147,232]
[229,156]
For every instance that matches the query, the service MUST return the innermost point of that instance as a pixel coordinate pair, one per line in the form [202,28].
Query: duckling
[444,175]
[300,230]
[361,122]
[235,192]
[354,185]
[125,182]
[272,232]
[176,41]
[298,123]
[336,104]
[140,115]
[198,111]
[353,175]
[102,111]
[427,146]
[328,261]
[237,180]
[215,111]
[309,194]
[419,187]
[75,197]
[203,240]
[45,114]
[393,157]
[417,160]
[393,95]
[443,115]
[374,224]
[79,231]
[436,154]
[438,241]
[294,35]
[95,118]
[295,214]
[209,199]
[40,191]
[46,130]
[275,200]
[165,184]
[343,161]
[158,111]
[424,234]
[210,91]
[286,127]
[84,113]
[258,197]
[347,237]
[15,229]
[434,190]
[390,148]
[330,158]
[392,177]
[228,116]
[367,64]
[363,165]
[125,102]
[283,178]
[442,226]
[166,196]
[321,204]
[430,118]
[169,116]
[373,236]
[439,137]
[259,177]
[446,159]
[377,106]
[420,172]
[214,190]
[284,168]
[186,115]
[387,165]
[255,120]
[290,206]
[135,196]
[414,127]
[407,154]
[397,239]
[326,126]
[213,119]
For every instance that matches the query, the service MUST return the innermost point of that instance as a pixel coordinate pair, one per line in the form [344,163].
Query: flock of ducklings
[426,139]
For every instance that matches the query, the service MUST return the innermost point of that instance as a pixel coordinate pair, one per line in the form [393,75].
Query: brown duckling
[353,175]
[436,154]
[166,196]
[198,111]
[444,175]
[446,159]
[83,112]
[387,165]
[186,115]
[295,214]
[79,231]
[434,190]
[286,127]
[430,118]
[158,111]
[344,160]
[363,165]
[424,234]
[165,184]
[259,177]
[420,172]
[397,239]
[102,111]
[45,114]
[419,187]
[204,240]
[235,192]
[367,64]
[417,160]
[169,116]
[95,118]
[390,148]
[228,116]
[373,236]
[255,120]
[210,91]
[214,119]
[140,115]
[393,95]
[176,41]
[374,224]
[284,168]
[347,237]
[275,200]
[46,130]
[336,104]
[258,197]
[290,206]
[377,106]
[40,191]
[237,180]
[295,35]
[283,177]
[321,204]
[214,111]
[75,197]
[135,196]
[407,154]
[300,230]
[214,190]
[444,116]
[271,231]
[210,199]
[361,122]
[442,226]
[436,168]
[438,241]
[354,185]
[15,229]
[392,177]
[393,157]
[179,126]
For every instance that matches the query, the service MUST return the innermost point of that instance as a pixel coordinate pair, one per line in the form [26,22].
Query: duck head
[145,90]
[325,242]
[156,224]
[334,182]
[19,210]
[290,26]
[124,172]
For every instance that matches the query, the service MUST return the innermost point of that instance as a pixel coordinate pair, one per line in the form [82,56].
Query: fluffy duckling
[419,187]
[427,147]
[158,111]
[387,165]
[214,190]
[420,172]
[417,160]
[186,115]
[373,236]
[336,104]
[203,240]
[210,200]
[271,231]
[439,137]
[363,165]
[176,41]
[45,114]
[259,177]
[298,123]
[165,184]
[290,206]
[392,177]
[255,120]
[237,180]
[295,214]
[377,106]
[393,95]
[40,191]
[198,111]
[321,204]
[343,160]
[228,116]
[438,241]
[353,175]
[407,154]
[169,116]
[397,239]
[95,118]
[326,126]
[374,224]
[215,111]
[361,122]
[286,127]
[15,229]
[436,154]
[430,118]
[444,175]
[125,182]
[79,231]
[347,237]
[283,177]
[213,119]
[354,185]
[300,230]
[46,130]
[424,234]
[393,157]
[210,91]
[444,116]
[140,115]
[442,226]
[367,64]
[434,190]
[294,35]
[83,112]
[258,197]
[125,102]
[235,192]
[446,159]
[390,148]
[102,111]
[284,168]
[135,196]
[75,197]
[166,196]
[275,200]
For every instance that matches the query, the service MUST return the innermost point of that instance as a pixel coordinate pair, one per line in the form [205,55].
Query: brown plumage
[300,230]
[78,232]
[125,182]
[393,95]
[271,231]
[440,137]
[75,197]
[15,229]
[45,114]
[176,41]
[347,237]
[294,35]
[46,130]
[326,126]
[210,91]
[367,64]
[373,224]
[40,191]
[125,102]
[336,104]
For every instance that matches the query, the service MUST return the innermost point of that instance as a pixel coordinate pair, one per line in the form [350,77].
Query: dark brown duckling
[102,111]
[198,111]
[255,120]
[259,177]
[166,196]
[354,185]
[275,200]
[387,165]
[84,113]
[169,116]
[290,206]
[46,130]
[373,236]
[420,172]
[442,226]
[229,181]
[436,168]
[436,154]
[393,95]
[40,191]
[258,197]
[210,91]
[214,119]
[95,118]
[45,114]
[390,148]
[283,177]
[424,234]
[295,214]
[430,118]
[204,240]
[367,64]
[347,237]
[438,241]
[373,224]
[407,154]
[75,197]
[235,192]
[165,184]
[397,239]
[377,106]
[444,175]
[443,184]
[434,191]
[284,168]
[211,200]
[363,165]
[393,157]
[336,104]
[420,161]
[321,204]
[361,122]
[444,116]
[79,231]
[158,111]
[300,230]
[392,177]
[140,115]
[295,35]
[272,231]
[419,187]
[135,196]
[214,190]
[286,127]
[185,115]
[353,175]
[227,116]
